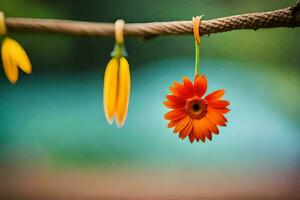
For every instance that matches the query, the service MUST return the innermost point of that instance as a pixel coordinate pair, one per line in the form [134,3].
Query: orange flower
[193,114]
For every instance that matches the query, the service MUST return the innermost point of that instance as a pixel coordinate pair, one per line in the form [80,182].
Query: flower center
[196,108]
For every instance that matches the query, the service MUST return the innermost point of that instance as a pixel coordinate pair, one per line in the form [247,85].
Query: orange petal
[173,105]
[187,130]
[173,123]
[175,98]
[205,128]
[212,127]
[123,92]
[174,91]
[200,85]
[208,135]
[198,129]
[191,137]
[188,85]
[219,104]
[202,138]
[218,110]
[223,118]
[182,92]
[182,124]
[174,102]
[216,95]
[216,119]
[175,114]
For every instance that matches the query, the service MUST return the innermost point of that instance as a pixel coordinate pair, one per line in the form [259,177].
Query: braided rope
[288,17]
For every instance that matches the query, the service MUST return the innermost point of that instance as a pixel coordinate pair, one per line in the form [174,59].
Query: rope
[288,17]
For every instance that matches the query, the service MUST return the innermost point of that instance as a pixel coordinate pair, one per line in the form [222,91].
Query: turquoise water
[57,119]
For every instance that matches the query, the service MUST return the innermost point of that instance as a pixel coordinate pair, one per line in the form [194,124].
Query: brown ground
[144,184]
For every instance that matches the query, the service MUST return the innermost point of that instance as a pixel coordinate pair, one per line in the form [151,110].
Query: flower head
[14,56]
[116,90]
[193,114]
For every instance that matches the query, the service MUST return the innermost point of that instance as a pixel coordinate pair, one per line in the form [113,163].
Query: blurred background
[54,139]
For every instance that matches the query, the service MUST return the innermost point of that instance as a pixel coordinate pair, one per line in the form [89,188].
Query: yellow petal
[9,64]
[110,89]
[123,92]
[19,55]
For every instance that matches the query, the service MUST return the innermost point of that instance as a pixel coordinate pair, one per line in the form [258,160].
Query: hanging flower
[193,114]
[116,91]
[13,55]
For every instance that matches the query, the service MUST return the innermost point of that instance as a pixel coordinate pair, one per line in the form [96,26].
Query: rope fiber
[287,17]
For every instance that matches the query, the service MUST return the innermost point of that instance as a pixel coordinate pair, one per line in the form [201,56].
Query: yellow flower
[14,56]
[116,90]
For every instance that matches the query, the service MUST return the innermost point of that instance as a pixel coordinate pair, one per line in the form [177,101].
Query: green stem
[197,51]
[119,51]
